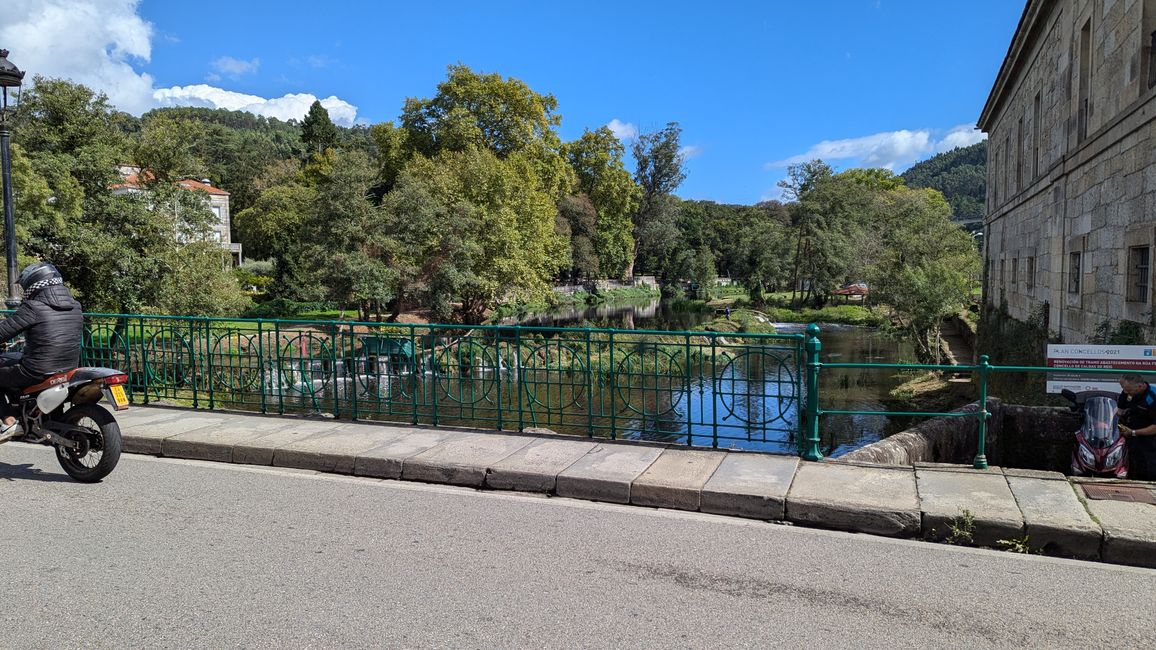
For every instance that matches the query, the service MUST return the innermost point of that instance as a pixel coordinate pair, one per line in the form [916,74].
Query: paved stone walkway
[995,507]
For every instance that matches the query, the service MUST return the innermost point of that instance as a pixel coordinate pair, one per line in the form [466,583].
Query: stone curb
[853,497]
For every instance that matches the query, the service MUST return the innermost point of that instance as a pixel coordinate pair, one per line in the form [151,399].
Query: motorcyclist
[52,323]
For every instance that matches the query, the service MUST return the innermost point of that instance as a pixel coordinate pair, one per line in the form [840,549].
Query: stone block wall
[1072,166]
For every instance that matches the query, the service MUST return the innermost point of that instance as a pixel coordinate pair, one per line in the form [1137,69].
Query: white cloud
[964,135]
[891,149]
[103,43]
[287,107]
[622,130]
[690,151]
[236,67]
[93,42]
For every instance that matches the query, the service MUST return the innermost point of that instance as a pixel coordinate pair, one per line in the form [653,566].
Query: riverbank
[624,295]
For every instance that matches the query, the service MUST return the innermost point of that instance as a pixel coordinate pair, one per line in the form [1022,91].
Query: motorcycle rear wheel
[99,452]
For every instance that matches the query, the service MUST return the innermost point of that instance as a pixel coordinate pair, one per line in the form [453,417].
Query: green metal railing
[697,388]
[983,371]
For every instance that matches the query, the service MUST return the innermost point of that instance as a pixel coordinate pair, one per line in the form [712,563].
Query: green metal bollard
[980,461]
[811,440]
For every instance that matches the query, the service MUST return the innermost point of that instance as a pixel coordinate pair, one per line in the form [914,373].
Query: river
[840,389]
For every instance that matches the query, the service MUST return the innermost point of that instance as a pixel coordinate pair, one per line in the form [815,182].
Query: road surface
[181,554]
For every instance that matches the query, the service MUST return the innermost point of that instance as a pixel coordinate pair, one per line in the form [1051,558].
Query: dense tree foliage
[470,198]
[120,251]
[960,175]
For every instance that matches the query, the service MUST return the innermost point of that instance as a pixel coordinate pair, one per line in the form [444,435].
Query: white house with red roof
[218,204]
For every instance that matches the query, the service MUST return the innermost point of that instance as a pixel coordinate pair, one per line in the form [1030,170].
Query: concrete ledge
[146,435]
[675,479]
[335,450]
[1129,531]
[1054,519]
[535,468]
[606,473]
[945,495]
[216,443]
[881,501]
[260,450]
[750,485]
[462,461]
[385,461]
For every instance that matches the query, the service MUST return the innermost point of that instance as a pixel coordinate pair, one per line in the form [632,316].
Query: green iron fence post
[144,360]
[811,440]
[520,385]
[498,376]
[191,347]
[981,452]
[687,387]
[262,381]
[210,364]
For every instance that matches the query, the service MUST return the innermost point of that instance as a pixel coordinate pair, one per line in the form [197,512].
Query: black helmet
[37,276]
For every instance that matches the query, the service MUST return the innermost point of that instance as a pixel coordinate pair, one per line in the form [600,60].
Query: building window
[1037,130]
[1016,273]
[1152,60]
[1138,263]
[1006,166]
[1074,273]
[1084,107]
[1002,275]
[1020,155]
[1030,279]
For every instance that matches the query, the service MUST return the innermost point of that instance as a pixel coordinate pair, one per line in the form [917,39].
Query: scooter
[64,412]
[1100,449]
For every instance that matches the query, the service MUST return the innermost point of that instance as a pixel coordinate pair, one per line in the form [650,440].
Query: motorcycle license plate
[118,396]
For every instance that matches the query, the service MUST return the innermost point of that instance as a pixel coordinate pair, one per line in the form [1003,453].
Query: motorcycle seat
[49,382]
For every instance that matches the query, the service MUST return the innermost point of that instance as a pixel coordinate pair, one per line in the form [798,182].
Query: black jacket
[53,325]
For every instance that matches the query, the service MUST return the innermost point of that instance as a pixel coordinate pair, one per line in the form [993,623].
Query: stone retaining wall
[1026,437]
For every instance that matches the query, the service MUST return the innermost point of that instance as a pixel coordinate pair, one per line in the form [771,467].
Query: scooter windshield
[1100,422]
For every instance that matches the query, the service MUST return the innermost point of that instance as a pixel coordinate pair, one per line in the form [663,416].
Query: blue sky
[755,85]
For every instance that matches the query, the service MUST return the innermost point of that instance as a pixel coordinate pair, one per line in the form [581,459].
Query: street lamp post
[10,77]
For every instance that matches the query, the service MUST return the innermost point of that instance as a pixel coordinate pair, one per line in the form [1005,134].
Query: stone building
[1071,173]
[218,203]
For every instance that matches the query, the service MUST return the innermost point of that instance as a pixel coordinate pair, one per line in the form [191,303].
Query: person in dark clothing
[1137,411]
[52,323]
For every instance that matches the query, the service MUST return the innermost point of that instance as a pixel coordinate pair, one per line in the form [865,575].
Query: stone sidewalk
[998,508]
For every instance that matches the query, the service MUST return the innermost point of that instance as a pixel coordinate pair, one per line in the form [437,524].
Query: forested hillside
[961,174]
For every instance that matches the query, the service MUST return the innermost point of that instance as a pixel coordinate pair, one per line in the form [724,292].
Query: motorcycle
[1100,448]
[64,412]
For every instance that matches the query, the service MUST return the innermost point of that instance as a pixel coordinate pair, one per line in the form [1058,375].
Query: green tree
[580,221]
[596,159]
[658,174]
[166,149]
[927,264]
[470,228]
[347,235]
[318,132]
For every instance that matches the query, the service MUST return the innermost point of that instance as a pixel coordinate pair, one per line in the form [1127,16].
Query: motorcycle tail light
[116,379]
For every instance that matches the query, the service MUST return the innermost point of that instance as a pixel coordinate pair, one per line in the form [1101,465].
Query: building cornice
[1014,60]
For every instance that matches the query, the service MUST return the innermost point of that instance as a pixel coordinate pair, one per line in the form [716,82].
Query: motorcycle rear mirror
[1068,394]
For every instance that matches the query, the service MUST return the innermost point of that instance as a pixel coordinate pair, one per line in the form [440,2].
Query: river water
[840,389]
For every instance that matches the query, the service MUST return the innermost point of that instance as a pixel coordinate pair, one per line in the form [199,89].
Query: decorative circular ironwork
[466,372]
[169,359]
[554,376]
[106,347]
[305,363]
[777,389]
[646,375]
[236,362]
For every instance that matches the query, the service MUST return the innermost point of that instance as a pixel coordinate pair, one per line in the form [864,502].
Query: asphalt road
[180,554]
